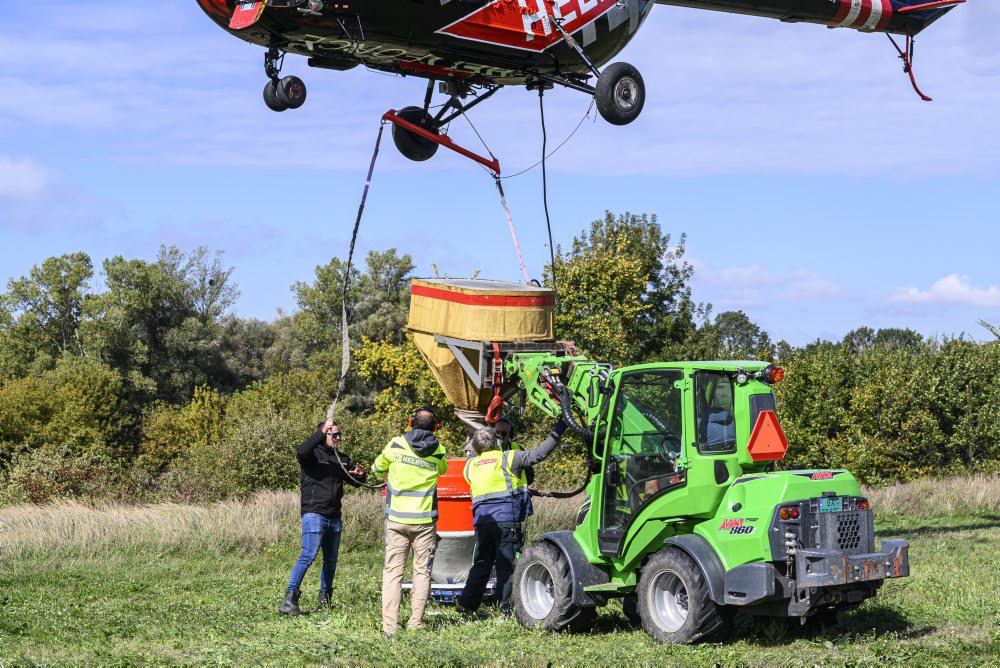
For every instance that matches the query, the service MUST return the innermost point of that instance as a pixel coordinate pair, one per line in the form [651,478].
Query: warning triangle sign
[767,440]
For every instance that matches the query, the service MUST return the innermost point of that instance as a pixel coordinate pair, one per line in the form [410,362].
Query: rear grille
[851,531]
[848,531]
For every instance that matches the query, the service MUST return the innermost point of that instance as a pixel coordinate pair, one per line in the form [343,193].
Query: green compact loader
[685,518]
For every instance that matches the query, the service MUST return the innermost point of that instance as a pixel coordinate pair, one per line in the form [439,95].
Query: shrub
[53,472]
[256,453]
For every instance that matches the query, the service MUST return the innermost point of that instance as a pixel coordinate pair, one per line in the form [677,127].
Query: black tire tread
[604,93]
[705,618]
[411,145]
[564,616]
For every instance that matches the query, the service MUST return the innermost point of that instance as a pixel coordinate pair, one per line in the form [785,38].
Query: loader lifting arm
[571,388]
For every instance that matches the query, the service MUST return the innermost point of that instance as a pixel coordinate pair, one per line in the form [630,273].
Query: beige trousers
[400,539]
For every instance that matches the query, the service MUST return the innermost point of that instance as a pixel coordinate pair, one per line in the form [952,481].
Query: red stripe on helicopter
[864,15]
[433,69]
[886,16]
[526,24]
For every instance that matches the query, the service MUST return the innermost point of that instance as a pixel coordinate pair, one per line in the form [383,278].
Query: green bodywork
[661,474]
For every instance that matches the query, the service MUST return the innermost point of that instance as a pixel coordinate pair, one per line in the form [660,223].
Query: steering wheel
[667,453]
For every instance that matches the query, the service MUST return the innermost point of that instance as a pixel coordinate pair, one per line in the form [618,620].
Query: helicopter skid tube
[442,140]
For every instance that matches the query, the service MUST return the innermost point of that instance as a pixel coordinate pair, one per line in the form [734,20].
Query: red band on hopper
[481,300]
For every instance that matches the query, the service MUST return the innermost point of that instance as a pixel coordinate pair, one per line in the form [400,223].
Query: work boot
[324,600]
[290,606]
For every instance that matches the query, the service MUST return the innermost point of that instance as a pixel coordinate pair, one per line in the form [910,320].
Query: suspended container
[454,321]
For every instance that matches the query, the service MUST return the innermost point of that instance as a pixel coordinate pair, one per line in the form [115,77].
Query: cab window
[646,439]
[714,414]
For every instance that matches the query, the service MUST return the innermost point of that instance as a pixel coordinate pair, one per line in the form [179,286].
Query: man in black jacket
[321,482]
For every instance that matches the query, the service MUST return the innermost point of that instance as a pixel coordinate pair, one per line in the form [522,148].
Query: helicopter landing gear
[284,93]
[409,143]
[419,148]
[620,93]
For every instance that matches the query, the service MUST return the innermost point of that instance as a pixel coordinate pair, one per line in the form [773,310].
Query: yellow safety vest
[411,488]
[497,495]
[524,472]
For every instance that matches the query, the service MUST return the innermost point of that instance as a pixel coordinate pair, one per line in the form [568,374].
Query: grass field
[186,584]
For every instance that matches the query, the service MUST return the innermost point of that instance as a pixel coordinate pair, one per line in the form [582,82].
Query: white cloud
[21,179]
[795,284]
[953,289]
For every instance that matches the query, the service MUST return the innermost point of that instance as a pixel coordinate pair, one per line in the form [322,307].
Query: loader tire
[673,600]
[543,592]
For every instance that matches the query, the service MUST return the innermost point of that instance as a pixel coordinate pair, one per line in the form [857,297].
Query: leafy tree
[42,313]
[246,346]
[859,340]
[623,290]
[208,284]
[898,339]
[377,303]
[382,297]
[158,323]
[740,338]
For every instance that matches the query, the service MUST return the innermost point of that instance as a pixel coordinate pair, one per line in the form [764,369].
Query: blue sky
[817,192]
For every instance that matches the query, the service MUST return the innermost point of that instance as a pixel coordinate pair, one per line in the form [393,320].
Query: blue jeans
[317,532]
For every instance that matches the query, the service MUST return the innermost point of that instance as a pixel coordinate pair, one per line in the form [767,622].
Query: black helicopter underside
[473,47]
[404,37]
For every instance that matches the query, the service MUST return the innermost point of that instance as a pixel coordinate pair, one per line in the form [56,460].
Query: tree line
[137,382]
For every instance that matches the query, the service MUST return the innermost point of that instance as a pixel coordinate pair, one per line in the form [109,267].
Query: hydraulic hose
[566,403]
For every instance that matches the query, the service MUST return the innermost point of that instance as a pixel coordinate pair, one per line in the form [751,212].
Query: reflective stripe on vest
[411,490]
[489,477]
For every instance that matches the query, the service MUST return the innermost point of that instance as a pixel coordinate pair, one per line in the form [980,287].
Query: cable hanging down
[345,361]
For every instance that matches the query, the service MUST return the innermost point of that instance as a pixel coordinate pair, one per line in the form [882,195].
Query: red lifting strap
[442,140]
[493,412]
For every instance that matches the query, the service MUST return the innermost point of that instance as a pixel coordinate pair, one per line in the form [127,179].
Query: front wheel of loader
[673,600]
[543,591]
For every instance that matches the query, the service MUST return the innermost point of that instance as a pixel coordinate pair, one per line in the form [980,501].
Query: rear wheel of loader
[673,600]
[543,592]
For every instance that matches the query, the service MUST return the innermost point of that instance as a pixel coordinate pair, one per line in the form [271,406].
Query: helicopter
[472,48]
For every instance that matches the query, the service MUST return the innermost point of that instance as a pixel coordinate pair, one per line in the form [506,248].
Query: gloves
[559,428]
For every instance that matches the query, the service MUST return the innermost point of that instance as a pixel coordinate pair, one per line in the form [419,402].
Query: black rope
[545,195]
[586,115]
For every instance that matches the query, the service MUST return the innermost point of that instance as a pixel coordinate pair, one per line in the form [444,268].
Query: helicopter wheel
[291,92]
[409,143]
[271,97]
[620,93]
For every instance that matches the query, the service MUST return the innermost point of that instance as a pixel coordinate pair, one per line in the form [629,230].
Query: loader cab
[643,442]
[671,436]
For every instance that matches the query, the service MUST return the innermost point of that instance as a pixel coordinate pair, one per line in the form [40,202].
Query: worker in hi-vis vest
[413,463]
[500,502]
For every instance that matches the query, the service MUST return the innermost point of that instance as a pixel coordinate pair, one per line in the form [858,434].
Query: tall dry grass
[972,495]
[272,518]
[265,519]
